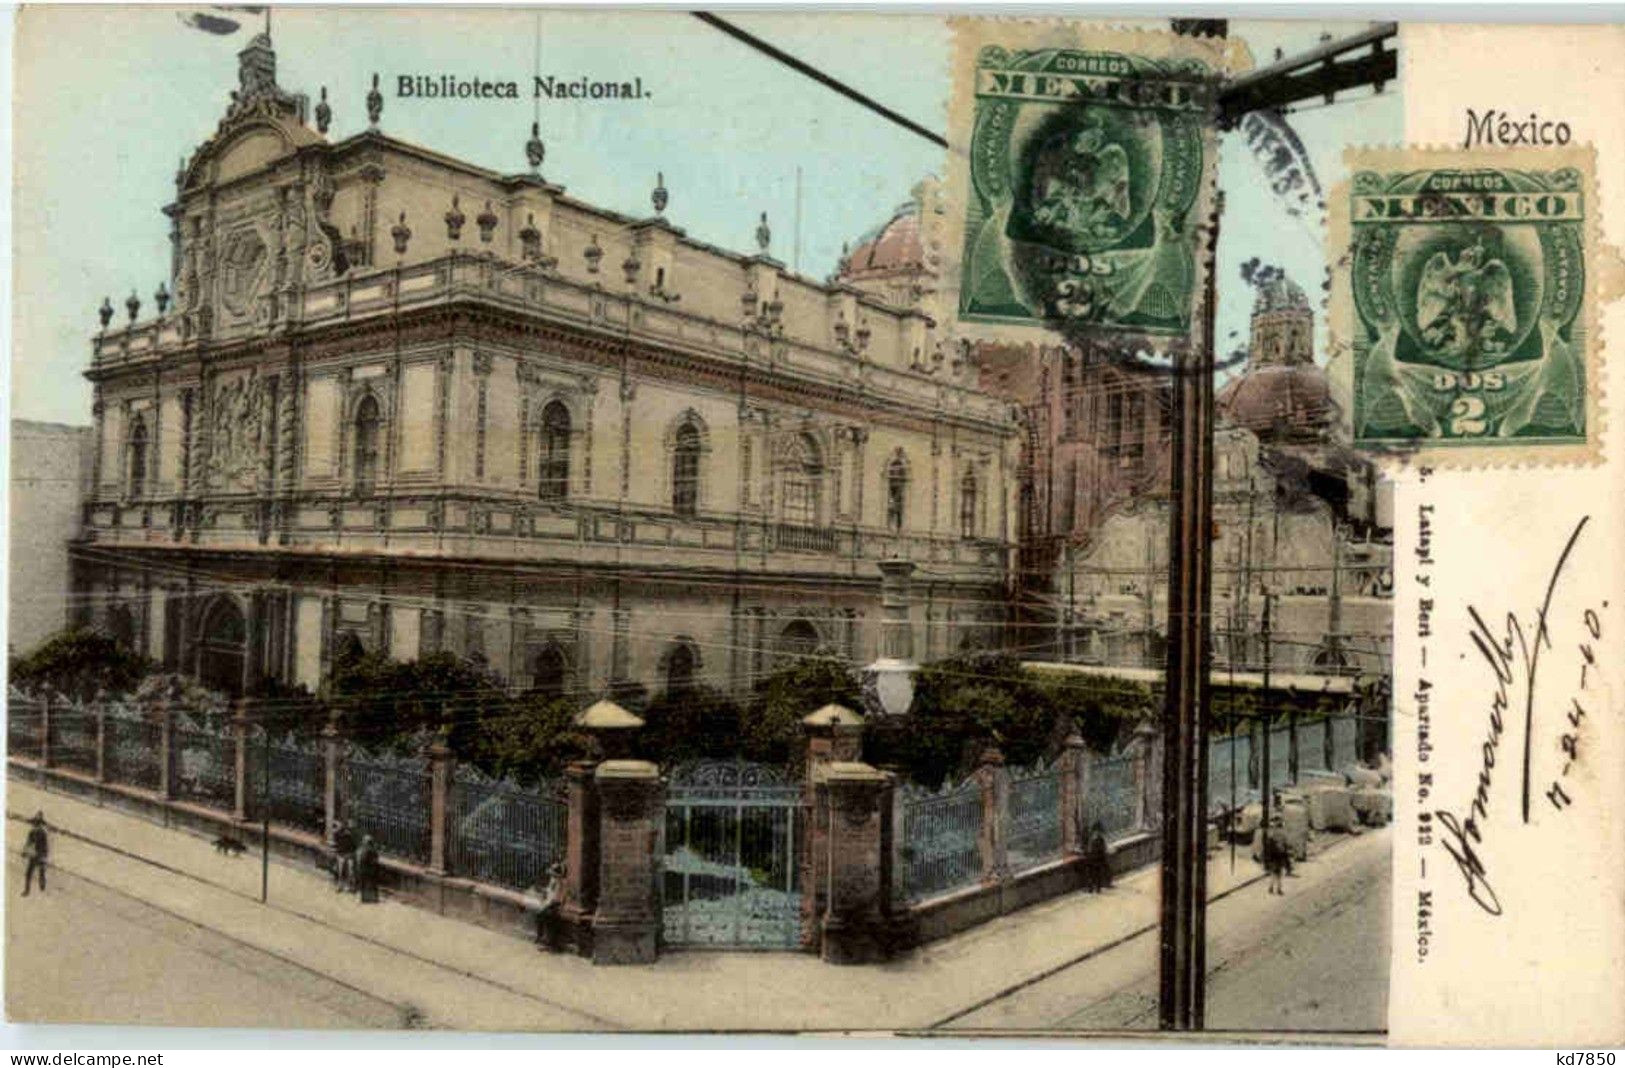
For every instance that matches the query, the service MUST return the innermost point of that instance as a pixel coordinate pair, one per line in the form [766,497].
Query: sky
[109,101]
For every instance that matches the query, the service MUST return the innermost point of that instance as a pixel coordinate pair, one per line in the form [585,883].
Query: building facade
[393,400]
[50,469]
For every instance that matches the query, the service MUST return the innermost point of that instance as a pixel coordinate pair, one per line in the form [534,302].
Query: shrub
[80,664]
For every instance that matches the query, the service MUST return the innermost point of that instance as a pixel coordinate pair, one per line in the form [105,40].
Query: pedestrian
[366,870]
[343,858]
[36,849]
[547,905]
[1097,865]
[1277,854]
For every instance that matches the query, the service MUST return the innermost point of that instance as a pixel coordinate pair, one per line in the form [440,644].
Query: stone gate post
[239,726]
[45,731]
[1147,777]
[833,733]
[612,729]
[331,742]
[626,923]
[166,752]
[851,926]
[101,741]
[1074,761]
[994,782]
[441,769]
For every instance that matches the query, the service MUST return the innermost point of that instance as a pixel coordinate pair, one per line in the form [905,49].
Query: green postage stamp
[1084,187]
[1466,297]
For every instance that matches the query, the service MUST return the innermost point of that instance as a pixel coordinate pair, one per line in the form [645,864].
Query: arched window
[799,638]
[121,622]
[223,647]
[366,445]
[967,506]
[138,456]
[549,671]
[896,493]
[685,470]
[803,475]
[554,468]
[681,667]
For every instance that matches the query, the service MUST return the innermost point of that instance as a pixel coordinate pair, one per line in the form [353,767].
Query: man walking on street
[1277,854]
[37,849]
[343,858]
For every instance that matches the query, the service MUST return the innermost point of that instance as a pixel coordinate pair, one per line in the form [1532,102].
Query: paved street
[151,924]
[84,953]
[1313,960]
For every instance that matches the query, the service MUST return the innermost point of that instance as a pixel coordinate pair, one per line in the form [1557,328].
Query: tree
[694,721]
[771,730]
[80,664]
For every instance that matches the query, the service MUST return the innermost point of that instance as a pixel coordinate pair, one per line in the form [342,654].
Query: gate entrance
[731,877]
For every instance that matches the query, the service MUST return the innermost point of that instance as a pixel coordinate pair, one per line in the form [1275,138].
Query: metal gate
[731,838]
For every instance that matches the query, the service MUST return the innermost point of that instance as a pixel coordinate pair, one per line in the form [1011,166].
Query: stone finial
[833,715]
[105,312]
[402,234]
[530,238]
[764,234]
[375,102]
[132,304]
[660,198]
[324,113]
[161,298]
[455,219]
[487,221]
[593,254]
[535,149]
[607,715]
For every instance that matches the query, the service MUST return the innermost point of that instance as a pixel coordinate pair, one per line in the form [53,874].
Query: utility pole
[1264,785]
[1183,959]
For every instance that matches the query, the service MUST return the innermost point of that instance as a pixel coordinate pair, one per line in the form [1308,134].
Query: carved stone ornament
[237,427]
[243,270]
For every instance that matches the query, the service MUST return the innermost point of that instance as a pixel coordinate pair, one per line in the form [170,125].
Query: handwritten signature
[1508,652]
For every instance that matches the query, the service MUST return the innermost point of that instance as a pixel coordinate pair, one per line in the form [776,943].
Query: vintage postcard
[604,521]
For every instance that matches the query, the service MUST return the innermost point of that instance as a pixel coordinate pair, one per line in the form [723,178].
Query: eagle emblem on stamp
[1086,172]
[1470,308]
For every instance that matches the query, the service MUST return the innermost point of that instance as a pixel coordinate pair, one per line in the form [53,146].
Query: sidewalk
[465,977]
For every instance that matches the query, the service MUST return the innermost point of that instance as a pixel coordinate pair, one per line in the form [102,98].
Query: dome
[1280,294]
[1279,402]
[894,247]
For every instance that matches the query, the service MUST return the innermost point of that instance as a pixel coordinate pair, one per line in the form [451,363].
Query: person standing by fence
[1097,864]
[37,849]
[343,858]
[1277,854]
[366,870]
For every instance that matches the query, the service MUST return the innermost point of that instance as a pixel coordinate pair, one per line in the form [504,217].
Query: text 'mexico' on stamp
[1466,298]
[1085,181]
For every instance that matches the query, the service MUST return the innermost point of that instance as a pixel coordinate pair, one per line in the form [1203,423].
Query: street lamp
[888,683]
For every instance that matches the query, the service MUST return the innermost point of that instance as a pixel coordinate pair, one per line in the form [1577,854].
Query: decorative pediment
[262,124]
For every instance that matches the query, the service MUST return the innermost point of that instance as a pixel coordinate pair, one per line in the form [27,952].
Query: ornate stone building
[394,399]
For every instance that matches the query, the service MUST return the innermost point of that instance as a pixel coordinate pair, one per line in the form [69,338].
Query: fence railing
[297,789]
[134,750]
[499,832]
[389,798]
[205,766]
[1113,800]
[941,835]
[1324,745]
[1035,817]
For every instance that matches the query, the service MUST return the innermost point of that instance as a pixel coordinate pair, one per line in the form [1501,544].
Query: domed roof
[1280,293]
[1278,401]
[894,246]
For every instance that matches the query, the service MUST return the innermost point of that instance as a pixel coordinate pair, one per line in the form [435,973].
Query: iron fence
[1345,740]
[1035,817]
[1227,774]
[1113,799]
[296,797]
[941,837]
[499,832]
[388,798]
[134,750]
[73,738]
[205,765]
[23,718]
